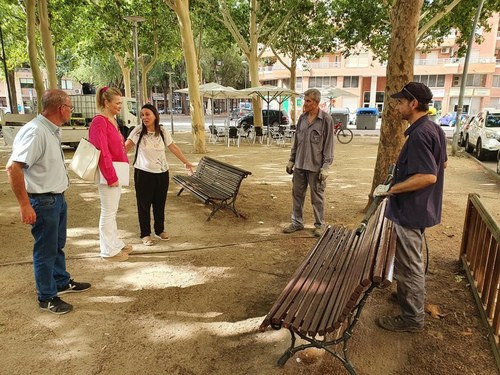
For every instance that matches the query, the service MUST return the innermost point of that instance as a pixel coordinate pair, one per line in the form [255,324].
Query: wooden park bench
[215,183]
[323,301]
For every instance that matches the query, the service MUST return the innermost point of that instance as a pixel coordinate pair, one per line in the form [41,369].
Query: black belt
[36,195]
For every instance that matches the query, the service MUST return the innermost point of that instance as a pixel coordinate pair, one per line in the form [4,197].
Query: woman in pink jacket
[105,135]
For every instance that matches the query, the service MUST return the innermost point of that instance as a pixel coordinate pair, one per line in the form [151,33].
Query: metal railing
[480,256]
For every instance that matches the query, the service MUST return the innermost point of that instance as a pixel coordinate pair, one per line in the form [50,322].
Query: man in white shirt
[37,176]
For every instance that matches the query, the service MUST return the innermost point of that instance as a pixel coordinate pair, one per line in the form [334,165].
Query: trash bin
[340,115]
[366,118]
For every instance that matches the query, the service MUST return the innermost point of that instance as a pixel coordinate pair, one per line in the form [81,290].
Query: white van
[84,109]
[483,134]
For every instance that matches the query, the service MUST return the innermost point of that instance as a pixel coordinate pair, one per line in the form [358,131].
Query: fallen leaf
[459,279]
[467,333]
[434,311]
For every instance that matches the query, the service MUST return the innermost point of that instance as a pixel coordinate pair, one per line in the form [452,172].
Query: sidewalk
[192,305]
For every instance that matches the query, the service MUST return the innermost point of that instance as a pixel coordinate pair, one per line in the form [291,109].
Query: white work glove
[289,167]
[381,190]
[323,175]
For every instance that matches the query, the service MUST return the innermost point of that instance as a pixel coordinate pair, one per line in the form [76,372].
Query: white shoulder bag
[85,160]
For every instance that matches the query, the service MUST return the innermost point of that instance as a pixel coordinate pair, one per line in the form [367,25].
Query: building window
[320,82]
[475,80]
[496,81]
[351,81]
[358,61]
[272,82]
[26,83]
[431,80]
[66,84]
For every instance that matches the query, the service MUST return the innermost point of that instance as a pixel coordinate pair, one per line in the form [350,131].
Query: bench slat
[311,326]
[336,273]
[308,303]
[294,299]
[288,290]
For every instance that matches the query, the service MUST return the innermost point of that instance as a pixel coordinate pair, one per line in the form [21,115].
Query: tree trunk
[405,15]
[253,63]
[33,52]
[12,79]
[122,62]
[146,68]
[48,47]
[181,9]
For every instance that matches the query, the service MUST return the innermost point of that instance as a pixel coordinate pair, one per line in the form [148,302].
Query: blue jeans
[49,232]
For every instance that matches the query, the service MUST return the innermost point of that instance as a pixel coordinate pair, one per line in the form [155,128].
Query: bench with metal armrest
[323,301]
[214,182]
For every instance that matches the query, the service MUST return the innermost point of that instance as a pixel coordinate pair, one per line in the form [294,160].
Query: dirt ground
[192,305]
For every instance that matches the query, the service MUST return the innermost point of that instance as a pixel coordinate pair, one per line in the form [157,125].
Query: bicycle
[344,135]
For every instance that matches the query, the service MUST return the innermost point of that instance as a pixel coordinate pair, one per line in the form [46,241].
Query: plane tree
[393,30]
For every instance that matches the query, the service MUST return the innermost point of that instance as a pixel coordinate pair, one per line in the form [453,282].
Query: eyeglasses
[69,106]
[408,91]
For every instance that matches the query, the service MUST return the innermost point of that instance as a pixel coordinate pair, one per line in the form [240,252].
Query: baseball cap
[414,90]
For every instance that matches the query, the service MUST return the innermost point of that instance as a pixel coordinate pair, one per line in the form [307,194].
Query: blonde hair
[105,93]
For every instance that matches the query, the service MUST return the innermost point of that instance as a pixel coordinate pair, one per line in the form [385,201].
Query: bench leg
[320,344]
[324,344]
[180,191]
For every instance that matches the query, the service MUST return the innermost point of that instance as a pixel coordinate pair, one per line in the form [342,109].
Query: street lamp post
[170,102]
[135,20]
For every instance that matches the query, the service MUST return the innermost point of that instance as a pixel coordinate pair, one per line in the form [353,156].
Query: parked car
[483,134]
[451,118]
[271,117]
[463,130]
[239,112]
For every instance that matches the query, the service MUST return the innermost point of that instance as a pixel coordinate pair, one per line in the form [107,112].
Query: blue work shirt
[423,152]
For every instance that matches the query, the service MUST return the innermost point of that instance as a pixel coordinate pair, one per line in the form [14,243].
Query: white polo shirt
[38,146]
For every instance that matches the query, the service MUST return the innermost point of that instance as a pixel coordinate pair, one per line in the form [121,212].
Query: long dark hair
[153,109]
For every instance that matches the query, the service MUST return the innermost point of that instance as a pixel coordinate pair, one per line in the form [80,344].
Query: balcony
[324,65]
[455,61]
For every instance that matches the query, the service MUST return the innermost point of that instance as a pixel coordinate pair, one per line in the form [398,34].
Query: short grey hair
[53,99]
[314,94]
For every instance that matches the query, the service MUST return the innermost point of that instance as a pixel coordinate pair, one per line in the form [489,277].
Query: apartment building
[365,77]
[25,90]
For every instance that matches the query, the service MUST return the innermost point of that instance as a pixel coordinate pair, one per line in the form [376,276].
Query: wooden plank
[313,325]
[330,231]
[306,285]
[337,287]
[486,250]
[389,265]
[467,226]
[312,306]
[317,283]
[493,303]
[336,304]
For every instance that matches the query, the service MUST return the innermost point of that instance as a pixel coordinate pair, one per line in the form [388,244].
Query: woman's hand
[114,184]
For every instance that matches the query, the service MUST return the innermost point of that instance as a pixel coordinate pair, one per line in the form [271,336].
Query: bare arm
[16,180]
[174,149]
[129,144]
[415,182]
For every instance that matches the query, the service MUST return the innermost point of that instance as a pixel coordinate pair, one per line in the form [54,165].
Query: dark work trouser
[151,190]
[301,180]
[410,274]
